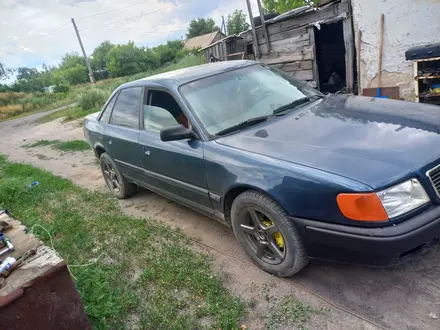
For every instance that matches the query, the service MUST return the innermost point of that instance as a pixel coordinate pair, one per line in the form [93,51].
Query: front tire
[116,183]
[267,234]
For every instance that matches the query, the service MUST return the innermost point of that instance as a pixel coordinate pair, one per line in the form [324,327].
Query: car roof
[174,79]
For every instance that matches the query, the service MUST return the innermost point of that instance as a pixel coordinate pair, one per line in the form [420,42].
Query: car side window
[161,110]
[126,110]
[108,110]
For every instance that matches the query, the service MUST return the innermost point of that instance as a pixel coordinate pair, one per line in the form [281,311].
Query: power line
[110,11]
[58,28]
[133,17]
[177,29]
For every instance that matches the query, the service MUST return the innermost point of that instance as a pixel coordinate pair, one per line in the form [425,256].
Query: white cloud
[226,7]
[39,31]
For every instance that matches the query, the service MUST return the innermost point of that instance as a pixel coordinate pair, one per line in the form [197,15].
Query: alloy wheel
[263,236]
[110,177]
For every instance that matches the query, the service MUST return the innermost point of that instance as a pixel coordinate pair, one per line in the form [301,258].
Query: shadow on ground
[400,297]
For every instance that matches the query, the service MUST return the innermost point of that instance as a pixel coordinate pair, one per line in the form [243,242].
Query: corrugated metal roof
[201,41]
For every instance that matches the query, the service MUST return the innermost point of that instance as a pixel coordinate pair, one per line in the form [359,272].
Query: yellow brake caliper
[277,236]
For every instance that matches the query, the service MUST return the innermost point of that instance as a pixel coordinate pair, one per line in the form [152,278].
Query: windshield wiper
[243,124]
[295,103]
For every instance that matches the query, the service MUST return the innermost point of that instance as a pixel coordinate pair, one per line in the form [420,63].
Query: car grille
[434,176]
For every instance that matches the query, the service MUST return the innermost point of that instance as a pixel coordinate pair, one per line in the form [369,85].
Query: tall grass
[10,110]
[10,97]
[93,98]
[14,104]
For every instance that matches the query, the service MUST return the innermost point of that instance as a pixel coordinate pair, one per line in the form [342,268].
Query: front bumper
[372,246]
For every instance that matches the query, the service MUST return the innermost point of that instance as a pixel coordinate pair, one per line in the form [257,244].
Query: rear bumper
[372,246]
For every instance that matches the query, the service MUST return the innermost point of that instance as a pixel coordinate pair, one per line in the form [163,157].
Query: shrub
[29,106]
[63,87]
[92,98]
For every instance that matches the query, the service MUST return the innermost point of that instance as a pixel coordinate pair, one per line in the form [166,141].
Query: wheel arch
[99,150]
[235,191]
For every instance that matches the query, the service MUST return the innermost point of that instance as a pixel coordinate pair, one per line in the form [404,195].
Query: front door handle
[110,141]
[147,151]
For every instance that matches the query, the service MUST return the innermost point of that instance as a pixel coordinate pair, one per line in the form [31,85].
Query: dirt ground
[353,297]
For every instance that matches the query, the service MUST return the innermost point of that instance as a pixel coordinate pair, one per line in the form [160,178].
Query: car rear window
[126,110]
[105,117]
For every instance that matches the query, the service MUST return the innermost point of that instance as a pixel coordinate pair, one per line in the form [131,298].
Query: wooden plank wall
[292,42]
[217,50]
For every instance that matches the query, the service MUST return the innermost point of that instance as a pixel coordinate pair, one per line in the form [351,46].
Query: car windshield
[232,98]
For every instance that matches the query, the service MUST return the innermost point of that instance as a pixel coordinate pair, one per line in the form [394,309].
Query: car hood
[372,140]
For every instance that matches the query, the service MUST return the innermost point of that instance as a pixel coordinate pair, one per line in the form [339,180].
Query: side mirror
[175,133]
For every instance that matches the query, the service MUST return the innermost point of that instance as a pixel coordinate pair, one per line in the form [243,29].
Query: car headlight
[403,198]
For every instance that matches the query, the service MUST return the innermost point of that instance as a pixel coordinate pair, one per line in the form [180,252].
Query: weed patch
[74,145]
[175,288]
[92,98]
[41,143]
[290,312]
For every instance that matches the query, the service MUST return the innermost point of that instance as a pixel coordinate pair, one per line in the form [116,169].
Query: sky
[33,32]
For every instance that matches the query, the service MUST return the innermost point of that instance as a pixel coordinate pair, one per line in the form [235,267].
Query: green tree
[281,6]
[236,22]
[28,80]
[169,52]
[28,74]
[45,75]
[72,70]
[99,58]
[124,60]
[70,60]
[201,26]
[4,72]
[74,75]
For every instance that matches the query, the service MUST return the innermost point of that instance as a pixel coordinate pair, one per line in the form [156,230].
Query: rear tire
[117,184]
[258,221]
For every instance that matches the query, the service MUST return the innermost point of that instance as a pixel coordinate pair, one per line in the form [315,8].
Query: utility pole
[263,23]
[223,27]
[254,32]
[86,59]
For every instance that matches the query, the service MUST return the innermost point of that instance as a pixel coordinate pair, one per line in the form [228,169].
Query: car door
[174,168]
[121,134]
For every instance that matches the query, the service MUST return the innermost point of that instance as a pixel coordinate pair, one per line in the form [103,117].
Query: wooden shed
[227,49]
[313,44]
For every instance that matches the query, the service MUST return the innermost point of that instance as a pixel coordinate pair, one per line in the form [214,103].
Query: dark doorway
[330,57]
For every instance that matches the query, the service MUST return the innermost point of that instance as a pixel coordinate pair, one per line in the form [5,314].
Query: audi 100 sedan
[298,175]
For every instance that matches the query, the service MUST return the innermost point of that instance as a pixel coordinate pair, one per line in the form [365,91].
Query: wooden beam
[347,26]
[224,51]
[302,75]
[263,24]
[294,66]
[301,32]
[379,71]
[254,33]
[293,38]
[306,53]
[311,32]
[309,18]
[359,52]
